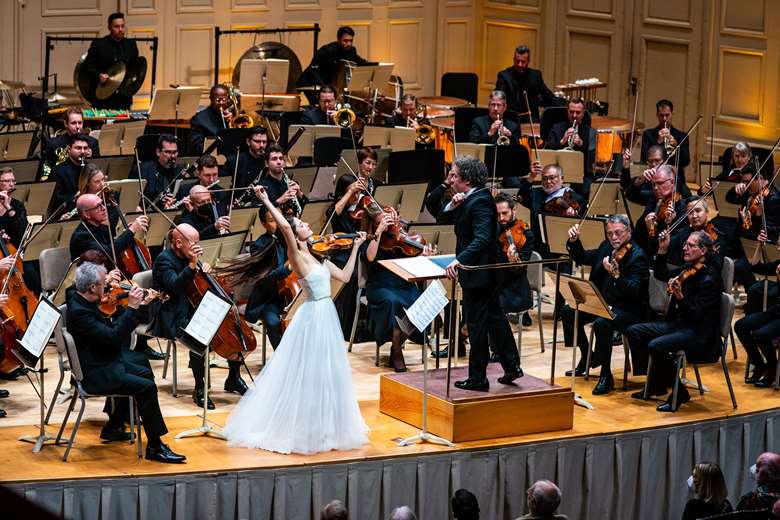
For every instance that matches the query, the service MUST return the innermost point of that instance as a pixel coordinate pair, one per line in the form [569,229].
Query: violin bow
[140,182]
[712,144]
[758,170]
[633,123]
[598,189]
[531,122]
[16,256]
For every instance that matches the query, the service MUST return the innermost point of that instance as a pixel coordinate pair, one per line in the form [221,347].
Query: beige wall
[711,57]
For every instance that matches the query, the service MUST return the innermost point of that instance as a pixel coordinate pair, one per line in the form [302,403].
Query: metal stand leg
[578,399]
[42,437]
[205,428]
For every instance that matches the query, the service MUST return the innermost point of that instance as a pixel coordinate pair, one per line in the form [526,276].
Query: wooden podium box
[531,405]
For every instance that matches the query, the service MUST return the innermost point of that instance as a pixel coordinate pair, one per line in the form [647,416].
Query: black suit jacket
[99,340]
[15,226]
[157,178]
[171,275]
[204,223]
[322,70]
[586,133]
[513,84]
[628,292]
[205,123]
[435,201]
[81,240]
[534,198]
[66,177]
[480,126]
[61,141]
[315,116]
[249,169]
[650,137]
[102,53]
[475,229]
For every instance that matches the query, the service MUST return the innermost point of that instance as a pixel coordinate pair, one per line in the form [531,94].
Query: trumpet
[502,140]
[344,116]
[668,146]
[570,142]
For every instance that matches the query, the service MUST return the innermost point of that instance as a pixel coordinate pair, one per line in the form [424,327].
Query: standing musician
[208,121]
[160,174]
[474,215]
[757,330]
[250,162]
[620,270]
[487,129]
[575,134]
[66,175]
[173,270]
[406,115]
[641,185]
[666,135]
[697,220]
[692,323]
[516,243]
[100,341]
[325,63]
[106,51]
[521,78]
[284,192]
[74,124]
[319,114]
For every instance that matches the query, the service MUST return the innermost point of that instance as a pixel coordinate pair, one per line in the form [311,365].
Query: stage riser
[637,475]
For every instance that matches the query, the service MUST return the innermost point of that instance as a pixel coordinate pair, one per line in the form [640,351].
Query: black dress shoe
[758,373]
[766,381]
[163,453]
[2,413]
[651,393]
[112,434]
[617,338]
[236,385]
[605,385]
[443,353]
[4,393]
[527,322]
[471,384]
[510,376]
[197,398]
[682,397]
[152,354]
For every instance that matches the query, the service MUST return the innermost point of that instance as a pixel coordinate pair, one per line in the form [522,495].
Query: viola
[324,244]
[366,205]
[559,205]
[617,256]
[674,285]
[513,235]
[136,258]
[661,213]
[397,239]
[752,208]
[118,296]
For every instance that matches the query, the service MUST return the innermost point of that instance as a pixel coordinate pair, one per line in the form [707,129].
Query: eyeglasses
[660,183]
[549,178]
[100,206]
[616,234]
[690,245]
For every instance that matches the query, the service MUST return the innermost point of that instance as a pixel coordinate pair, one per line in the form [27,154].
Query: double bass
[17,312]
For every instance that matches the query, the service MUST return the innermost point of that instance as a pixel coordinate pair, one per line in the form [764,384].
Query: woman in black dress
[709,490]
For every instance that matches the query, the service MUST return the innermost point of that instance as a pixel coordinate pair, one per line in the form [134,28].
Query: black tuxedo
[315,116]
[205,123]
[641,193]
[650,138]
[66,177]
[265,303]
[513,83]
[101,343]
[626,295]
[62,141]
[102,53]
[204,222]
[480,126]
[249,169]
[588,147]
[324,64]
[475,229]
[436,201]
[81,240]
[157,179]
[397,120]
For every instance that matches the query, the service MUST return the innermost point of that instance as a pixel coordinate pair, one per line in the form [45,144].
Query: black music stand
[147,145]
[327,150]
[416,166]
[463,118]
[511,162]
[232,138]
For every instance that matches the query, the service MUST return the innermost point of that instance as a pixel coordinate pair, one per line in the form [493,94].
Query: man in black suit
[209,218]
[284,194]
[487,129]
[692,323]
[521,78]
[319,114]
[66,175]
[406,116]
[473,212]
[562,136]
[620,270]
[664,111]
[93,232]
[100,341]
[74,123]
[324,64]
[173,270]
[208,121]
[697,220]
[161,173]
[250,161]
[105,52]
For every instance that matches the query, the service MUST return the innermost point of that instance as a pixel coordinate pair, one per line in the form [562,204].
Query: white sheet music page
[207,318]
[428,305]
[40,328]
[420,267]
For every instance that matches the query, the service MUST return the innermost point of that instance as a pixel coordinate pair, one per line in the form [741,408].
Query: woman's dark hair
[364,153]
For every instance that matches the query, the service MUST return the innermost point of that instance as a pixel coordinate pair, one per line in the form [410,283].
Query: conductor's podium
[530,405]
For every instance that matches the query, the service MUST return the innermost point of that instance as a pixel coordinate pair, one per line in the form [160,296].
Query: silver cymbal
[116,75]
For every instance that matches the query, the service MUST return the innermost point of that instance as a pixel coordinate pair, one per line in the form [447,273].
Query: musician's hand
[6,263]
[412,123]
[536,170]
[648,174]
[385,222]
[5,201]
[140,223]
[670,213]
[458,199]
[113,276]
[777,272]
[494,127]
[626,158]
[135,297]
[570,212]
[607,263]
[740,188]
[511,253]
[707,186]
[577,140]
[168,200]
[429,250]
[452,269]
[650,219]
[672,140]
[359,239]
[222,223]
[566,135]
[762,237]
[193,252]
[574,233]
[664,239]
[286,196]
[187,202]
[507,132]
[294,187]
[102,77]
[676,288]
[261,194]
[206,267]
[662,133]
[3,301]
[355,187]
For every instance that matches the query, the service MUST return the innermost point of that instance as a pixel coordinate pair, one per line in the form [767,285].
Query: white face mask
[753,472]
[690,483]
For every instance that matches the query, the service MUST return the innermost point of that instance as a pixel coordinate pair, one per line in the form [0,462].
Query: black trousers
[483,315]
[271,317]
[660,339]
[602,329]
[756,332]
[742,272]
[135,381]
[755,296]
[140,367]
[198,369]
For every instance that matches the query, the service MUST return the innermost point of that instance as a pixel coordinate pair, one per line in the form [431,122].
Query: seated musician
[666,135]
[692,323]
[173,270]
[641,185]
[73,123]
[208,121]
[66,174]
[697,220]
[100,341]
[324,66]
[620,270]
[487,129]
[93,181]
[521,78]
[206,216]
[5,265]
[250,162]
[206,176]
[406,115]
[320,113]
[575,134]
[285,193]
[13,222]
[758,329]
[160,174]
[515,292]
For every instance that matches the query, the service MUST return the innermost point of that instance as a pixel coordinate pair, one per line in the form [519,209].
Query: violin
[661,214]
[674,285]
[559,205]
[752,208]
[135,258]
[617,256]
[118,295]
[324,244]
[365,205]
[711,232]
[514,235]
[397,238]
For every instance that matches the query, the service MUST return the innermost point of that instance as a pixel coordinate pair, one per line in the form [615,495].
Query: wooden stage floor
[90,458]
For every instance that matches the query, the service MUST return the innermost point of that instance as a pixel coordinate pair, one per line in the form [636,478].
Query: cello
[135,258]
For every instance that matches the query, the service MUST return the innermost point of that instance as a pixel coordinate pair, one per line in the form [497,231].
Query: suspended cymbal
[134,78]
[271,50]
[116,75]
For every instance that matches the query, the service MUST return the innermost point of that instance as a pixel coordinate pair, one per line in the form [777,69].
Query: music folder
[205,322]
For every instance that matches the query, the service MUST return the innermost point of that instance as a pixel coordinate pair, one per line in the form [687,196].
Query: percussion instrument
[271,50]
[443,102]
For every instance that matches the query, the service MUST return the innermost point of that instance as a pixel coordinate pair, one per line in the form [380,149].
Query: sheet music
[420,267]
[207,318]
[428,305]
[40,328]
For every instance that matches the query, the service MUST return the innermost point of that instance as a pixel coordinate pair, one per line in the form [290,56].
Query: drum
[443,102]
[608,143]
[432,113]
[443,141]
[444,123]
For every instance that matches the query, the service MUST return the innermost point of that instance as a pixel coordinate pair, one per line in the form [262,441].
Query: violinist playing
[173,270]
[639,189]
[516,243]
[93,181]
[388,294]
[660,211]
[619,268]
[692,323]
[697,220]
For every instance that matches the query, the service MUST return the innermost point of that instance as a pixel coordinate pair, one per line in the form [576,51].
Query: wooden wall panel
[675,14]
[740,96]
[138,7]
[405,42]
[66,54]
[744,17]
[195,6]
[590,55]
[498,42]
[591,8]
[456,46]
[71,8]
[194,54]
[301,43]
[659,55]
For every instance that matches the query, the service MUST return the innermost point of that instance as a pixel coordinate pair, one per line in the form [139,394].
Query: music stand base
[205,429]
[38,440]
[425,437]
[580,401]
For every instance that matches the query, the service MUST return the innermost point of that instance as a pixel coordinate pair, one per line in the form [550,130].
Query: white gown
[303,400]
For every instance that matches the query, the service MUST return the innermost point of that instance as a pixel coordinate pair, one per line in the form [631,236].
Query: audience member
[543,498]
[465,505]
[766,472]
[403,513]
[709,492]
[334,510]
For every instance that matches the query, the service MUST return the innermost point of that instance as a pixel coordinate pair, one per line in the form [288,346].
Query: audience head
[467,172]
[403,513]
[552,178]
[708,483]
[543,498]
[767,468]
[334,510]
[465,505]
[522,57]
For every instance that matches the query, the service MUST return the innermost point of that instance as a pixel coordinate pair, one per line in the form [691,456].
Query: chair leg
[675,391]
[647,378]
[56,393]
[698,379]
[728,381]
[131,407]
[733,343]
[539,317]
[626,362]
[71,404]
[354,324]
[590,352]
[75,429]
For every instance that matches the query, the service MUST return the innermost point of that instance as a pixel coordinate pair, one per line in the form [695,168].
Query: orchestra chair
[65,341]
[727,274]
[727,306]
[144,281]
[54,263]
[362,279]
[463,85]
[626,358]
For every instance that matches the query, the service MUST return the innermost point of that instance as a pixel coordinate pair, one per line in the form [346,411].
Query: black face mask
[203,210]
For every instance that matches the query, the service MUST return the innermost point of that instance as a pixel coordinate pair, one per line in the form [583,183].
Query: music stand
[724,207]
[511,161]
[264,76]
[232,138]
[415,166]
[168,104]
[582,294]
[555,232]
